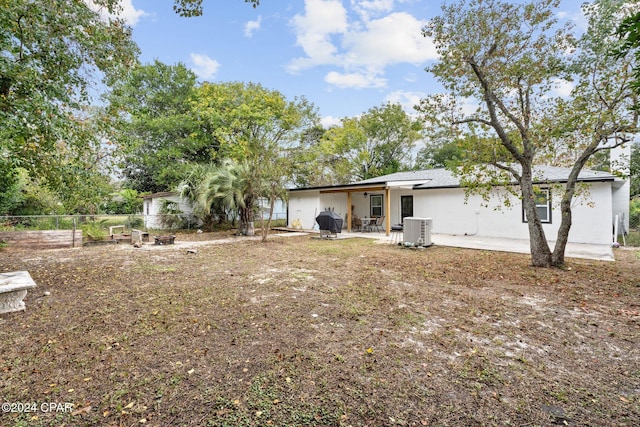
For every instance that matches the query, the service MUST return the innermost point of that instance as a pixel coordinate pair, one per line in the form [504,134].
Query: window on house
[375,202]
[543,205]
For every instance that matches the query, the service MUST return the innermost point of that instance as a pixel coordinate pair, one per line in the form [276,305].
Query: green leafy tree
[508,57]
[629,32]
[439,152]
[230,186]
[52,54]
[634,170]
[30,197]
[601,112]
[189,8]
[195,188]
[307,167]
[11,186]
[125,201]
[344,152]
[256,127]
[158,127]
[377,143]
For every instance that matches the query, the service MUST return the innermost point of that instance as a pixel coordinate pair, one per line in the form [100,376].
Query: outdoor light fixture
[365,194]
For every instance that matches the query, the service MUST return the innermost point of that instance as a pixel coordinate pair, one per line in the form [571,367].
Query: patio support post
[349,201]
[387,211]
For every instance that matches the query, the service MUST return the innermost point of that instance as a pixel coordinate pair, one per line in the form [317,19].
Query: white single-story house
[437,194]
[152,207]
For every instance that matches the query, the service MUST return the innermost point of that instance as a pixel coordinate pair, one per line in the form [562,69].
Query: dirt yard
[307,332]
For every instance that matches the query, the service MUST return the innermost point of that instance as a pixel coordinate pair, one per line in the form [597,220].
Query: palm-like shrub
[229,187]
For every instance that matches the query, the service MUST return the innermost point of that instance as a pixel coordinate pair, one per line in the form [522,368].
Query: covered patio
[358,196]
[365,191]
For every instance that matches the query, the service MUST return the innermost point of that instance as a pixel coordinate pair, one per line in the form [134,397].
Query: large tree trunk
[565,205]
[540,252]
[246,222]
[267,227]
[565,208]
[563,232]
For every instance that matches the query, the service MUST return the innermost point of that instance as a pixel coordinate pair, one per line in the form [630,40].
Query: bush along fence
[631,237]
[94,223]
[96,227]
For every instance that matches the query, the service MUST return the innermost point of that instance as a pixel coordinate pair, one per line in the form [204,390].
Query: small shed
[152,208]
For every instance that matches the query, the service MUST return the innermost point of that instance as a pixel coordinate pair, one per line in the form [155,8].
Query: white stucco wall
[304,207]
[620,202]
[620,162]
[591,223]
[153,205]
[592,218]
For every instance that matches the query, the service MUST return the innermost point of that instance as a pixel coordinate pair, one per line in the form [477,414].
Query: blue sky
[345,56]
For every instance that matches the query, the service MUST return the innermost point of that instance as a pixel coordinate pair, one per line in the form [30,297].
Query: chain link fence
[96,227]
[103,222]
[632,237]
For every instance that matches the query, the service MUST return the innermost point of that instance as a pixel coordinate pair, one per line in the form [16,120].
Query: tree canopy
[507,58]
[378,142]
[53,55]
[258,131]
[189,8]
[629,32]
[157,127]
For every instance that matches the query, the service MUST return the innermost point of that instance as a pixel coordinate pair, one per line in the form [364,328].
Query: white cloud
[126,11]
[368,8]
[406,99]
[130,13]
[359,46]
[468,106]
[411,78]
[251,26]
[394,39]
[203,66]
[562,87]
[354,80]
[313,32]
[328,121]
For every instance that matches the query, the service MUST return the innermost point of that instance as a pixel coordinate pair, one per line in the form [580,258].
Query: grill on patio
[330,223]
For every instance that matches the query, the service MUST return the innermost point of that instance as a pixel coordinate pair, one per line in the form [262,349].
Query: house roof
[443,178]
[160,194]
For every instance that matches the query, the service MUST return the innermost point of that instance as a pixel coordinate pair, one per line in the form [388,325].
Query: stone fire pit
[164,240]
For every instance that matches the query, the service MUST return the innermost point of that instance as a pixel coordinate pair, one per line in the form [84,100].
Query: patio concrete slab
[573,250]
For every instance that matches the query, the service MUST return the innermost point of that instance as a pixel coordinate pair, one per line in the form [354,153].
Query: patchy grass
[306,332]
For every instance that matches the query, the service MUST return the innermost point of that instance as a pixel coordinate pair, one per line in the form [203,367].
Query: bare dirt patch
[299,331]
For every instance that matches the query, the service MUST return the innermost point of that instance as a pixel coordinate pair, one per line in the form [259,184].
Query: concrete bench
[114,228]
[139,235]
[13,289]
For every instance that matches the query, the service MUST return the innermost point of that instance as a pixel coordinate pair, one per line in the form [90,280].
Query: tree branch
[491,100]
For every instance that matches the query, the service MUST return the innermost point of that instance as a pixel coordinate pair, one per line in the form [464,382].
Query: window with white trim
[375,202]
[543,205]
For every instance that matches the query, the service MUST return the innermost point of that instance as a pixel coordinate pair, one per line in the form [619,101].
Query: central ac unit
[417,231]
